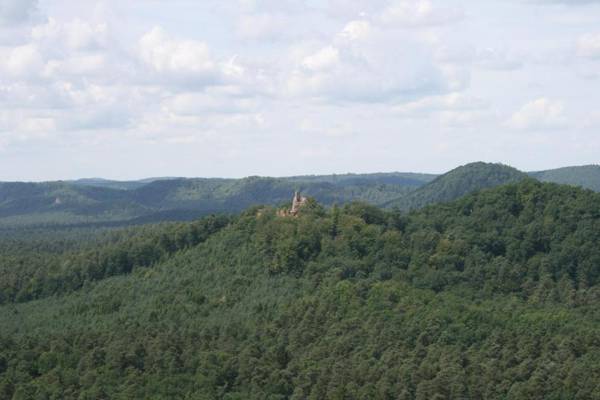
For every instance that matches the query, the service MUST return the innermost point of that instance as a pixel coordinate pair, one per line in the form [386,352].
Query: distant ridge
[587,176]
[98,200]
[457,183]
[113,184]
[392,178]
[102,201]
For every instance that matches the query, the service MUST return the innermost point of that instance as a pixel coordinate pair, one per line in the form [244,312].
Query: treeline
[457,183]
[48,267]
[73,203]
[494,296]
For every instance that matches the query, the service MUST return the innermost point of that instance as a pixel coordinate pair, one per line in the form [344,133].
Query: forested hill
[493,296]
[81,202]
[587,176]
[108,203]
[457,183]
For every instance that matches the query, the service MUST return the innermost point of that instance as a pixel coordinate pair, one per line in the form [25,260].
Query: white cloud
[328,128]
[591,121]
[83,80]
[451,110]
[19,126]
[450,102]
[396,13]
[283,6]
[356,30]
[324,59]
[98,118]
[36,124]
[187,63]
[75,35]
[463,119]
[588,71]
[489,58]
[170,124]
[79,65]
[21,95]
[64,107]
[497,59]
[21,61]
[366,70]
[195,104]
[539,114]
[565,2]
[414,13]
[62,80]
[249,74]
[14,12]
[345,9]
[51,30]
[165,54]
[261,26]
[589,45]
[56,50]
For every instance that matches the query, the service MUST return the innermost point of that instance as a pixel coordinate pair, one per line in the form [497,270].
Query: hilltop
[587,176]
[492,296]
[457,183]
[98,201]
[119,203]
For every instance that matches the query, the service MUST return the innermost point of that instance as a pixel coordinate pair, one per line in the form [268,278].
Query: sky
[142,88]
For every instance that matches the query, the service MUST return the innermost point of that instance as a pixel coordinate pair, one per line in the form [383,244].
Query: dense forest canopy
[587,176]
[65,203]
[457,183]
[493,296]
[105,203]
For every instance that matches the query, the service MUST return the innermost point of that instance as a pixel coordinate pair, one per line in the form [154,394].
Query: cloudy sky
[131,89]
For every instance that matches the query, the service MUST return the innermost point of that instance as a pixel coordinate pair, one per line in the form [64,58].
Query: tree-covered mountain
[493,296]
[457,183]
[587,176]
[104,202]
[94,201]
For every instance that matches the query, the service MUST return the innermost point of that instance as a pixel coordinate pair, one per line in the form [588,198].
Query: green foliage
[457,183]
[98,201]
[586,176]
[493,296]
[47,266]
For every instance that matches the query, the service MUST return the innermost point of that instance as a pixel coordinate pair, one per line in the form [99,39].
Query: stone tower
[297,202]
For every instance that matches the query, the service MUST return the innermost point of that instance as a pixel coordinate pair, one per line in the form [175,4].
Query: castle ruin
[297,202]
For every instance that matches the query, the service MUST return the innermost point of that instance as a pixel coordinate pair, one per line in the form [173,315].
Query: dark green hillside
[234,195]
[36,265]
[68,203]
[28,200]
[113,203]
[587,176]
[493,296]
[457,183]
